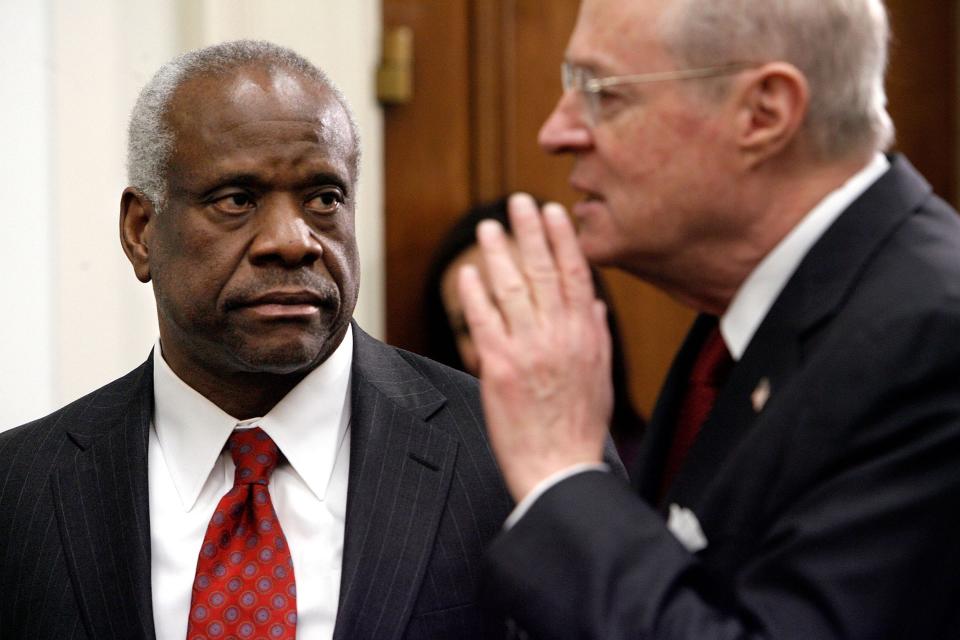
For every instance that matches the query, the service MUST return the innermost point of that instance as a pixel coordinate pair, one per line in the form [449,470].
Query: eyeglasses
[592,88]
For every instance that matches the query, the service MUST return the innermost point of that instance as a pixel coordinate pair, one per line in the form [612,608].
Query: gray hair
[839,45]
[151,141]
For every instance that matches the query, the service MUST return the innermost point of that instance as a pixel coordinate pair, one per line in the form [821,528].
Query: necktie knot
[713,361]
[254,454]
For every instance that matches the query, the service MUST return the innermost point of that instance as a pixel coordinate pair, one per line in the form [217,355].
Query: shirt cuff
[541,487]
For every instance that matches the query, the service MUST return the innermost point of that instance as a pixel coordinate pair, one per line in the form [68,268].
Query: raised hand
[543,343]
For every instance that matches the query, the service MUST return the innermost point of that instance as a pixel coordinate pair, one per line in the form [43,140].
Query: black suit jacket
[424,496]
[829,509]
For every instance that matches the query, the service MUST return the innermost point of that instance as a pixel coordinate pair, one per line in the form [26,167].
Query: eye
[326,202]
[235,203]
[609,97]
[607,102]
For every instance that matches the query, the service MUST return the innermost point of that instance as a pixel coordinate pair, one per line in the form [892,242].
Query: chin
[280,362]
[596,251]
[283,358]
[281,348]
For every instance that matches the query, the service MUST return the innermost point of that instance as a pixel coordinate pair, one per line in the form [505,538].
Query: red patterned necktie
[244,586]
[706,377]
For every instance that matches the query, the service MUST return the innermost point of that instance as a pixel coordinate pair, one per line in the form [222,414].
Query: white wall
[75,317]
[27,256]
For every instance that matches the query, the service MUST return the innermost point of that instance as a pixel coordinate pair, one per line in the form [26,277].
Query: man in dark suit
[802,470]
[356,489]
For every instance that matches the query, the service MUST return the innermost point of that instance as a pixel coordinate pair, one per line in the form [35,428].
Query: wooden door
[486,75]
[922,87]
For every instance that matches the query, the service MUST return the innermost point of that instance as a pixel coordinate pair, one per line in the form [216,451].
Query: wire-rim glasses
[582,80]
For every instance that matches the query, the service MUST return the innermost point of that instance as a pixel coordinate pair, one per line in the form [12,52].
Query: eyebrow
[252,180]
[598,67]
[329,177]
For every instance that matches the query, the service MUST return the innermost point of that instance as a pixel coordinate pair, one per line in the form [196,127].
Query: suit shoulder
[930,241]
[914,277]
[437,371]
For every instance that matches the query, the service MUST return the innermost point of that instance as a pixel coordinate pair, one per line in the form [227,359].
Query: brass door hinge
[395,73]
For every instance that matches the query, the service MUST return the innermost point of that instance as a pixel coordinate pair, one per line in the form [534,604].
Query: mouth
[588,194]
[281,304]
[589,200]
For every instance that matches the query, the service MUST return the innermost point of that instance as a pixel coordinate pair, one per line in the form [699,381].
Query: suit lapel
[102,506]
[771,360]
[648,469]
[400,473]
[776,353]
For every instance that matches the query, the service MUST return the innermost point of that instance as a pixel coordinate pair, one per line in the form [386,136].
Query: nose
[284,235]
[565,130]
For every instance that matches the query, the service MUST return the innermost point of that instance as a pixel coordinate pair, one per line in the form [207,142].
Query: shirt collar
[759,291]
[308,424]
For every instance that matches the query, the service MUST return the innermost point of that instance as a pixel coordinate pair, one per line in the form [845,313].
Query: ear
[137,217]
[772,104]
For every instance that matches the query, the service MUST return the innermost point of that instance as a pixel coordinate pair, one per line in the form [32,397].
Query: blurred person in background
[448,337]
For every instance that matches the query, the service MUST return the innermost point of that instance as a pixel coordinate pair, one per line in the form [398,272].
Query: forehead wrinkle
[302,168]
[281,119]
[293,130]
[265,159]
[324,131]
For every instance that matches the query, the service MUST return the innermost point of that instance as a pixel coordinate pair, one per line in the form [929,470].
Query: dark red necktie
[244,586]
[706,378]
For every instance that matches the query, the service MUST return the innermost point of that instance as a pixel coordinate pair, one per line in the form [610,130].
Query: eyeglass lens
[576,78]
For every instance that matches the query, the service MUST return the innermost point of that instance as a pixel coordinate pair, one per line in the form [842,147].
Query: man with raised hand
[800,474]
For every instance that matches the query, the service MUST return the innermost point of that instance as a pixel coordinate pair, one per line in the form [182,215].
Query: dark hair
[441,344]
[625,424]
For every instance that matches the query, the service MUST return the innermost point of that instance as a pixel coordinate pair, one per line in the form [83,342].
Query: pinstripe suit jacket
[424,497]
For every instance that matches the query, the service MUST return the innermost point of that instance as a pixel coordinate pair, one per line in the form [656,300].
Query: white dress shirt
[189,472]
[757,293]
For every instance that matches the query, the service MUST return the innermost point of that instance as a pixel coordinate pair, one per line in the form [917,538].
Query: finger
[572,267]
[601,326]
[508,285]
[535,256]
[482,317]
[602,329]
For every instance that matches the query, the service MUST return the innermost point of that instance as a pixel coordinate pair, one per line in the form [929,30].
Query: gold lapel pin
[761,394]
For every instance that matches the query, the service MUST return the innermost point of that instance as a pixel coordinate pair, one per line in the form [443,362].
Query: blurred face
[254,259]
[454,308]
[651,167]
